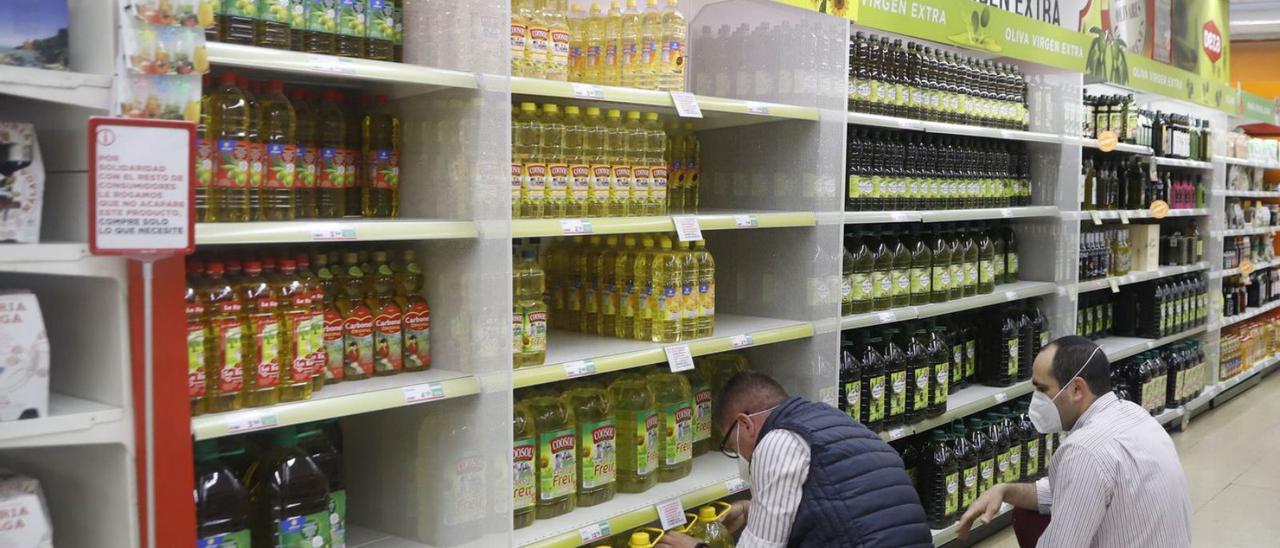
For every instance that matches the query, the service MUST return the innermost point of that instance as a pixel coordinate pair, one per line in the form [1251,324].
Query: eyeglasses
[731,453]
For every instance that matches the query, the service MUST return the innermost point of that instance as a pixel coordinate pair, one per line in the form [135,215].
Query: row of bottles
[1181,244]
[1237,249]
[917,81]
[644,287]
[274,328]
[1240,214]
[586,440]
[1118,114]
[891,268]
[1095,315]
[1240,293]
[1110,183]
[1245,345]
[283,488]
[371,29]
[1154,309]
[265,156]
[1104,251]
[1180,136]
[576,164]
[952,465]
[911,170]
[1161,379]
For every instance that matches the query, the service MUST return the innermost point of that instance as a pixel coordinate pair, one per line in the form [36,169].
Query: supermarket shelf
[1234,271]
[1245,162]
[1118,348]
[943,536]
[1249,313]
[1168,416]
[741,112]
[1120,147]
[571,354]
[60,259]
[71,421]
[331,67]
[42,252]
[1002,294]
[57,86]
[1112,214]
[1137,277]
[340,400]
[707,220]
[1259,367]
[1230,192]
[714,477]
[866,119]
[962,404]
[361,537]
[1246,231]
[873,217]
[1176,162]
[949,215]
[335,230]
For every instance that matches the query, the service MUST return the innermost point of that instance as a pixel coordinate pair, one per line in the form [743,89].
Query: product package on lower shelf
[24,515]
[24,375]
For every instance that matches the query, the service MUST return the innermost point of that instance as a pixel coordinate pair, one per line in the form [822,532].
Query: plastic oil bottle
[313,441]
[597,442]
[642,274]
[222,503]
[607,283]
[551,149]
[523,470]
[334,358]
[637,158]
[306,155]
[674,158]
[593,45]
[637,415]
[417,314]
[554,14]
[577,44]
[556,454]
[199,335]
[225,361]
[702,401]
[315,323]
[381,190]
[674,399]
[646,70]
[528,153]
[537,48]
[351,28]
[521,12]
[272,27]
[357,319]
[575,156]
[229,129]
[278,131]
[257,148]
[354,167]
[331,132]
[692,168]
[296,339]
[288,495]
[533,310]
[590,276]
[236,23]
[710,529]
[388,342]
[596,147]
[689,280]
[706,290]
[625,281]
[263,323]
[656,154]
[667,303]
[671,63]
[616,151]
[321,26]
[629,43]
[380,30]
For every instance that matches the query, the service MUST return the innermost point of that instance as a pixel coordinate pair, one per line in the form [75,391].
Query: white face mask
[744,465]
[1044,414]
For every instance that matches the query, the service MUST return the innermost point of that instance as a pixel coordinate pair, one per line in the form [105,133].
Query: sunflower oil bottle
[533,181]
[199,337]
[380,30]
[674,43]
[556,454]
[630,45]
[597,442]
[388,318]
[576,157]
[656,155]
[638,430]
[673,156]
[646,70]
[710,530]
[417,314]
[674,400]
[588,257]
[615,151]
[625,282]
[288,495]
[272,28]
[351,28]
[331,137]
[689,280]
[702,404]
[596,147]
[646,307]
[321,35]
[306,154]
[296,350]
[706,290]
[262,321]
[692,168]
[530,285]
[521,13]
[612,43]
[380,195]
[357,319]
[667,302]
[591,30]
[278,132]
[558,38]
[551,150]
[537,49]
[637,159]
[577,45]
[523,469]
[559,278]
[607,280]
[228,195]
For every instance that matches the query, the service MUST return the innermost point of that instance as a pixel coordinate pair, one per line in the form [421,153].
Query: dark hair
[749,392]
[1072,351]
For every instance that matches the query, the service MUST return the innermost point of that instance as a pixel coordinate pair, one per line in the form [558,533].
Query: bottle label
[920,281]
[875,387]
[299,322]
[382,23]
[231,340]
[559,47]
[853,400]
[881,285]
[957,276]
[627,54]
[351,17]
[240,9]
[1012,268]
[538,44]
[387,339]
[953,493]
[608,299]
[1002,467]
[648,52]
[846,289]
[601,182]
[690,301]
[305,164]
[621,182]
[534,331]
[640,183]
[303,531]
[1013,357]
[941,377]
[707,293]
[1033,458]
[658,183]
[517,181]
[321,16]
[557,467]
[986,272]
[337,518]
[898,393]
[357,335]
[921,399]
[281,159]
[558,182]
[266,332]
[234,539]
[941,278]
[599,453]
[383,169]
[901,282]
[1015,464]
[257,164]
[647,449]
[195,359]
[535,182]
[517,330]
[333,170]
[970,274]
[276,11]
[232,164]
[580,182]
[669,305]
[204,163]
[702,414]
[417,335]
[677,425]
[519,39]
[627,301]
[969,492]
[333,344]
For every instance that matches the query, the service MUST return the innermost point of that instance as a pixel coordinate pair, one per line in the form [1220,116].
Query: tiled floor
[1231,456]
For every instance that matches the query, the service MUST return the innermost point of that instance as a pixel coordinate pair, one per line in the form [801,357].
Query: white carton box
[24,517]
[21,183]
[24,358]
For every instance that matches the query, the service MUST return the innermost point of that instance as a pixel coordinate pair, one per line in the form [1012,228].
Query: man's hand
[672,539]
[736,517]
[986,507]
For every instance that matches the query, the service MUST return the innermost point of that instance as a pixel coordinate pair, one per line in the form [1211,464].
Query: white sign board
[140,193]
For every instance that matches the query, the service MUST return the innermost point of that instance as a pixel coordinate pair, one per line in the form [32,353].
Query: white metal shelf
[948,534]
[71,421]
[314,66]
[332,230]
[949,215]
[78,89]
[1120,147]
[1234,193]
[1002,294]
[867,119]
[1246,162]
[1137,277]
[1178,162]
[1248,314]
[1119,348]
[1121,214]
[363,537]
[1226,273]
[707,220]
[1251,231]
[962,404]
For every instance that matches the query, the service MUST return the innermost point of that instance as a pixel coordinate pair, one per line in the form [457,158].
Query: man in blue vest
[817,477]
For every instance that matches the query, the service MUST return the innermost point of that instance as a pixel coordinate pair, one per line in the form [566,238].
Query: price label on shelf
[735,485]
[757,108]
[1107,141]
[423,392]
[579,368]
[746,221]
[588,91]
[686,104]
[1115,284]
[1006,212]
[679,357]
[741,341]
[331,64]
[1246,267]
[573,227]
[888,317]
[1010,295]
[1001,397]
[333,233]
[1159,209]
[1124,217]
[897,433]
[594,532]
[687,227]
[250,421]
[900,217]
[670,514]
[1097,217]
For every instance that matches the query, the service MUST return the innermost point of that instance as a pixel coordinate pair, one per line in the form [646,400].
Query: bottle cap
[253,267]
[227,77]
[571,109]
[275,86]
[593,111]
[528,107]
[633,115]
[550,108]
[214,268]
[288,265]
[615,113]
[650,116]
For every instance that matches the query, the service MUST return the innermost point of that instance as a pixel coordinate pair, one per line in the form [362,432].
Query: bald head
[747,392]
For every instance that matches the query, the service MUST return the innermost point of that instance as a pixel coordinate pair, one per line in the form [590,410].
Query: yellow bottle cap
[571,109]
[650,116]
[615,113]
[550,108]
[707,514]
[595,6]
[639,540]
[611,240]
[688,125]
[631,4]
[529,107]
[633,115]
[593,111]
[652,3]
[629,240]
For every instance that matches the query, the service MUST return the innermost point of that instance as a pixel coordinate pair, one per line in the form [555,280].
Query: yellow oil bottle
[224,378]
[199,335]
[228,197]
[263,323]
[706,290]
[674,400]
[380,193]
[533,309]
[597,442]
[357,320]
[594,45]
[702,404]
[533,185]
[521,12]
[586,262]
[296,339]
[556,454]
[650,46]
[315,328]
[638,429]
[645,296]
[655,156]
[577,44]
[595,147]
[306,155]
[279,133]
[331,134]
[629,44]
[388,318]
[417,314]
[523,466]
[332,340]
[616,152]
[670,66]
[554,13]
[625,282]
[692,168]
[538,47]
[551,149]
[689,281]
[575,156]
[667,302]
[610,292]
[674,158]
[637,157]
[257,148]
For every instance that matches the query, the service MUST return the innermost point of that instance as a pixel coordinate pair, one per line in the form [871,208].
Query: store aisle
[1232,459]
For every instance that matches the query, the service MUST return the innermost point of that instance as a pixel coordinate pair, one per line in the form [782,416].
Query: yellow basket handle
[655,534]
[692,520]
[724,508]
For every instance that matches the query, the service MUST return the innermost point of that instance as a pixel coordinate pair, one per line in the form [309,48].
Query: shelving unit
[963,403]
[1002,294]
[1120,147]
[1137,277]
[707,220]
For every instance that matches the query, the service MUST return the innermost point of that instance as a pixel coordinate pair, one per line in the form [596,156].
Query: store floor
[1231,456]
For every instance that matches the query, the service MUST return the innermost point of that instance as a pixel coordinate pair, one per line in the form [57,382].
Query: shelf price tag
[1107,141]
[423,392]
[746,221]
[1246,267]
[1124,217]
[757,108]
[1097,217]
[333,233]
[741,341]
[248,422]
[331,64]
[687,227]
[1159,209]
[679,357]
[670,514]
[735,485]
[686,104]
[573,227]
[588,91]
[594,532]
[897,433]
[579,368]
[888,317]
[1115,284]
[1001,397]
[1006,212]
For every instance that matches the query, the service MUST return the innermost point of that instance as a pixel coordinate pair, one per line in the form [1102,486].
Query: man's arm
[779,468]
[1021,495]
[1081,493]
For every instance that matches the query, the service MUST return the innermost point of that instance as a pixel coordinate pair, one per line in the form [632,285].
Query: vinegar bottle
[381,189]
[278,132]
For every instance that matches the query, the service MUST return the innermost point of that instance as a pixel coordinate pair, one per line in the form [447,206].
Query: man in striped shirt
[1116,479]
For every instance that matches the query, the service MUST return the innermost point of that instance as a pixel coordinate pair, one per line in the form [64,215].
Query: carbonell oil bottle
[523,470]
[388,341]
[638,430]
[357,320]
[263,324]
[597,445]
[417,314]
